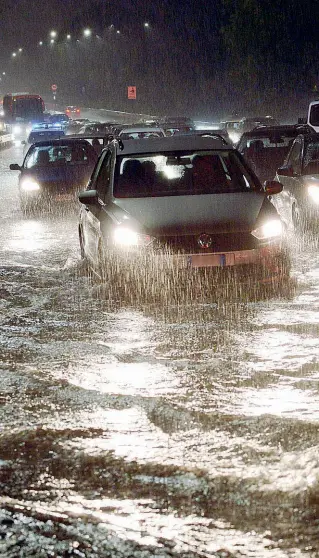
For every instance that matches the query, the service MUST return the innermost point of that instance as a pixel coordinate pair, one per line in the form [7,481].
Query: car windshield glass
[311,158]
[49,155]
[181,173]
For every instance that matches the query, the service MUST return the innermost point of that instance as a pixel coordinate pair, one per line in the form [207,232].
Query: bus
[21,110]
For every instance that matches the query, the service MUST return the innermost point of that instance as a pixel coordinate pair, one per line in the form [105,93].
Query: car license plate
[211,260]
[64,197]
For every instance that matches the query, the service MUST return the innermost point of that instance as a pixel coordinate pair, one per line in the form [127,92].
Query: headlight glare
[313,191]
[125,237]
[271,229]
[29,185]
[17,129]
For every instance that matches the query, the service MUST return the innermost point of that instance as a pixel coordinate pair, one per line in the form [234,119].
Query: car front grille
[188,244]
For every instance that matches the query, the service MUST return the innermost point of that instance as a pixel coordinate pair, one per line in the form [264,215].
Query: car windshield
[181,173]
[311,158]
[47,155]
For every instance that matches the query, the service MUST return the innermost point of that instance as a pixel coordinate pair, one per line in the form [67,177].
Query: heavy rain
[148,410]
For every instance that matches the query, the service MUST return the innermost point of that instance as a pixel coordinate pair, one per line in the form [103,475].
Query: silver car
[188,203]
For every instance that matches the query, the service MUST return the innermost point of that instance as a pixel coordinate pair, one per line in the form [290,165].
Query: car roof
[271,130]
[65,140]
[131,130]
[173,143]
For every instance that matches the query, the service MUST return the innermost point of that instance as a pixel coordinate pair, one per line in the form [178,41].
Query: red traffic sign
[131,92]
[54,87]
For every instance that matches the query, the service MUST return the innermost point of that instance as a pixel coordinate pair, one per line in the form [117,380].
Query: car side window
[295,158]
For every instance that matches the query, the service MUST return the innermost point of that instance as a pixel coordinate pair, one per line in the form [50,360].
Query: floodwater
[173,429]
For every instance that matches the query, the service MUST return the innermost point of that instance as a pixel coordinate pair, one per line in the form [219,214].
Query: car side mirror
[89,197]
[272,187]
[15,166]
[286,171]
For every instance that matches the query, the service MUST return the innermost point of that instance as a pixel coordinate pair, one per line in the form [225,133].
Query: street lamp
[118,32]
[40,43]
[52,41]
[14,54]
[87,32]
[53,34]
[68,37]
[3,73]
[146,24]
[20,49]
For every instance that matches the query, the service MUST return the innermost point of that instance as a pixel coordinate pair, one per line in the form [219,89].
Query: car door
[91,222]
[290,177]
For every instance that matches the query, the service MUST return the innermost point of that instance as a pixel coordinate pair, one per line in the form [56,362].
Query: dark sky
[269,50]
[27,21]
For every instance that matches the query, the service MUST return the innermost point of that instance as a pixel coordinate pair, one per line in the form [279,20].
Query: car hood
[192,214]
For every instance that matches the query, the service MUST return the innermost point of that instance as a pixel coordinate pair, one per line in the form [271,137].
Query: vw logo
[204,240]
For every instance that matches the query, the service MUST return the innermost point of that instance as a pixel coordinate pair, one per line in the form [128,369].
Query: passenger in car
[132,177]
[43,159]
[149,174]
[208,173]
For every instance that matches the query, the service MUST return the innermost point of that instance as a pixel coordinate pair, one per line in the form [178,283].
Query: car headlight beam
[270,229]
[125,237]
[313,191]
[29,185]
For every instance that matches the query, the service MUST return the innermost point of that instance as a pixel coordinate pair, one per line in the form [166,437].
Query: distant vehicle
[53,172]
[96,128]
[75,125]
[43,131]
[298,202]
[237,126]
[72,111]
[191,199]
[59,118]
[266,147]
[213,133]
[140,132]
[233,128]
[313,115]
[22,110]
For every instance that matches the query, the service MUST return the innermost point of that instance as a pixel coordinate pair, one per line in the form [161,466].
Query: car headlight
[17,129]
[123,236]
[271,229]
[29,185]
[313,191]
[234,136]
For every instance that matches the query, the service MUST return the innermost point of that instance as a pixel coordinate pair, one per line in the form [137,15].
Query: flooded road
[178,429]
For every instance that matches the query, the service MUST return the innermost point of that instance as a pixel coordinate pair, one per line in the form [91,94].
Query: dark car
[73,111]
[183,202]
[298,202]
[59,118]
[266,147]
[54,171]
